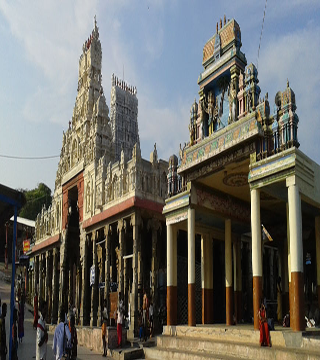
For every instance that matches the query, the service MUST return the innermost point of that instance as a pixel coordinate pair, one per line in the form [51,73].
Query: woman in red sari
[35,311]
[263,324]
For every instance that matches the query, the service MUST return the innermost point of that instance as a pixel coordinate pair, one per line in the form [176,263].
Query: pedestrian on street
[151,319]
[14,354]
[35,311]
[3,345]
[104,329]
[119,322]
[74,338]
[42,335]
[21,319]
[61,337]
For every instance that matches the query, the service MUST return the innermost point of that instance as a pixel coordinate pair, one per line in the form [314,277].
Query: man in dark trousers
[3,345]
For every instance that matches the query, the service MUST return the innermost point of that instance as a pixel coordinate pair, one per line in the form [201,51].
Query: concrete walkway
[27,349]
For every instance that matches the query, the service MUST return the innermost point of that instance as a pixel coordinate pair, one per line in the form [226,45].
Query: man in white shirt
[42,335]
[61,338]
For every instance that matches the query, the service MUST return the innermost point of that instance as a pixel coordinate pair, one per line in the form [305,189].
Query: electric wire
[264,15]
[29,157]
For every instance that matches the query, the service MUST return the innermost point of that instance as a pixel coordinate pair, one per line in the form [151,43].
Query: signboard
[92,275]
[26,246]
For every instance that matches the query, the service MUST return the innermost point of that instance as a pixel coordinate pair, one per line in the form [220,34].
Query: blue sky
[159,44]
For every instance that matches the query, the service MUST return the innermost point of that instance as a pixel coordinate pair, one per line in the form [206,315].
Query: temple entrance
[73,282]
[219,289]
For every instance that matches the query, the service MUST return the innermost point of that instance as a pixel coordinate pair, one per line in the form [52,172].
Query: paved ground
[27,350]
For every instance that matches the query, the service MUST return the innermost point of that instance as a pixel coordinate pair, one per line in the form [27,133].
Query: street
[27,349]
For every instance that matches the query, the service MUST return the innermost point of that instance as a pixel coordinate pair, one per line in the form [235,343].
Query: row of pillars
[44,280]
[135,297]
[206,274]
[295,266]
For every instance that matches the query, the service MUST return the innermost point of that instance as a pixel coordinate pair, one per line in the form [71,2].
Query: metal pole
[12,302]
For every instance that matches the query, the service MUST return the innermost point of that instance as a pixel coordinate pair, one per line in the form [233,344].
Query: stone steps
[231,343]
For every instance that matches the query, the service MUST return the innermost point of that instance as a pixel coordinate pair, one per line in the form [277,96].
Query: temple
[219,226]
[103,233]
[244,201]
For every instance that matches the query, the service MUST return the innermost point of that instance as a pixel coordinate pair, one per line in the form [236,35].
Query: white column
[171,256]
[191,268]
[297,322]
[228,253]
[295,226]
[256,254]
[191,246]
[171,275]
[256,233]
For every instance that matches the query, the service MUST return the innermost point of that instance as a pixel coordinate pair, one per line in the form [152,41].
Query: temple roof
[229,33]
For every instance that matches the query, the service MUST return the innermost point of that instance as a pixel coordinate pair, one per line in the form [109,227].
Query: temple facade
[244,201]
[100,236]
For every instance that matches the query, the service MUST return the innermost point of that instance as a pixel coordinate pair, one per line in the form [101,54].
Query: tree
[36,198]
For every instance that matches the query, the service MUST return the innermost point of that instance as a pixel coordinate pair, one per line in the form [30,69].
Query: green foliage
[36,198]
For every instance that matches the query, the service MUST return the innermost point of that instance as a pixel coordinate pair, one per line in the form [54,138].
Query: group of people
[146,319]
[65,340]
[17,328]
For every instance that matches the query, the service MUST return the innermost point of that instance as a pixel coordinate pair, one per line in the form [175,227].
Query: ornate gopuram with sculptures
[244,201]
[103,237]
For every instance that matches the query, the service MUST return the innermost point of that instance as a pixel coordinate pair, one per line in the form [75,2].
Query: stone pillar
[85,278]
[154,262]
[107,263]
[297,322]
[191,268]
[317,231]
[228,273]
[135,222]
[121,228]
[237,280]
[101,271]
[256,254]
[285,277]
[63,276]
[48,284]
[36,275]
[40,278]
[54,313]
[70,283]
[140,272]
[207,279]
[235,72]
[46,277]
[29,286]
[289,259]
[94,288]
[171,275]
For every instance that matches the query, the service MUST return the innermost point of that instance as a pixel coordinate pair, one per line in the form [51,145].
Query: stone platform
[91,337]
[233,342]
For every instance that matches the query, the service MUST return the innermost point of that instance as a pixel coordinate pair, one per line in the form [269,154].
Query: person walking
[151,319]
[35,311]
[104,329]
[3,345]
[119,323]
[14,354]
[263,326]
[74,338]
[21,319]
[61,337]
[42,335]
[279,301]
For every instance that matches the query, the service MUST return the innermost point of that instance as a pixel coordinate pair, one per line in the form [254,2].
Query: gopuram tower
[124,117]
[95,242]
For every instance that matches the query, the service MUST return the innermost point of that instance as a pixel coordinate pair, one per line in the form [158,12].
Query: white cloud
[296,56]
[168,127]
